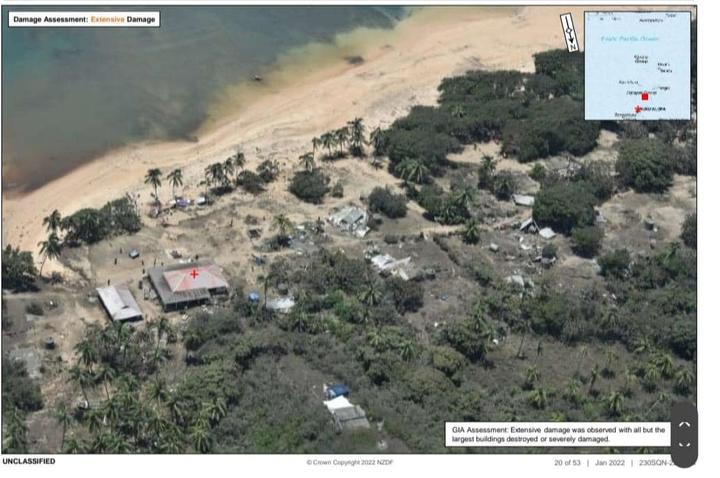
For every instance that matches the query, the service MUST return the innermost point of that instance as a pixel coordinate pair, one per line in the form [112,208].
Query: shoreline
[402,67]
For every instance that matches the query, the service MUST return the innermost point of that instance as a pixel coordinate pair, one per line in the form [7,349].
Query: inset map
[637,65]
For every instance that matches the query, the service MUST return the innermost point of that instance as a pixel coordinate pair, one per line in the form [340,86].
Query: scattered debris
[133,254]
[515,279]
[254,297]
[529,226]
[523,200]
[282,305]
[546,233]
[402,268]
[201,200]
[352,219]
[494,247]
[346,415]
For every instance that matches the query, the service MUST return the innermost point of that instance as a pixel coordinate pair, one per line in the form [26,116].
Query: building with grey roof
[119,303]
[185,285]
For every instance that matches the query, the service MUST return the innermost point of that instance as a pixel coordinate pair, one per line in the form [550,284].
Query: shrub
[538,172]
[18,269]
[268,170]
[407,295]
[34,308]
[689,231]
[564,206]
[18,389]
[309,186]
[92,225]
[384,201]
[447,360]
[337,190]
[598,176]
[464,337]
[504,185]
[615,263]
[250,182]
[645,165]
[549,251]
[587,240]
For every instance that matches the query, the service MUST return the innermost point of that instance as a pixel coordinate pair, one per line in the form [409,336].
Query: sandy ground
[401,68]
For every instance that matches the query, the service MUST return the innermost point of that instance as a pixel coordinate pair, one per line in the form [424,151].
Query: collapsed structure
[352,219]
[186,285]
[345,415]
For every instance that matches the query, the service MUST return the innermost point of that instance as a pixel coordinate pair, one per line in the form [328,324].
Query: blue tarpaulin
[337,390]
[254,296]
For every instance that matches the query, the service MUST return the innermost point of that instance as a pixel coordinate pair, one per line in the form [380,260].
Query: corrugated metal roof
[119,303]
[196,277]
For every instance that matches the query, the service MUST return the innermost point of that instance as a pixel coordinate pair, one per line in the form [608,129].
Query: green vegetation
[587,240]
[689,231]
[92,225]
[20,395]
[564,206]
[18,269]
[310,186]
[384,201]
[615,263]
[645,165]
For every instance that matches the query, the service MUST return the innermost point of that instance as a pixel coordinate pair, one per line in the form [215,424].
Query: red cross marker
[638,109]
[194,273]
[645,96]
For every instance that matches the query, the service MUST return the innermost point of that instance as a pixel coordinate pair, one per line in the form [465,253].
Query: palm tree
[16,433]
[316,142]
[153,178]
[371,296]
[238,159]
[378,140]
[532,375]
[665,365]
[158,390]
[74,446]
[486,173]
[229,167]
[64,419]
[684,380]
[83,378]
[341,137]
[538,398]
[88,352]
[52,222]
[614,404]
[413,170]
[307,160]
[328,141]
[594,373]
[572,391]
[471,232]
[200,435]
[216,174]
[50,249]
[284,226]
[106,375]
[357,135]
[407,350]
[651,376]
[376,339]
[176,179]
